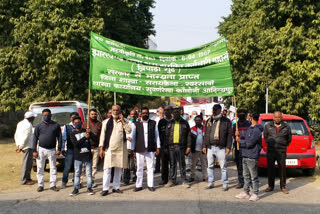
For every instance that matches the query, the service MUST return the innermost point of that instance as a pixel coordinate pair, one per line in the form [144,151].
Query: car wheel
[309,172]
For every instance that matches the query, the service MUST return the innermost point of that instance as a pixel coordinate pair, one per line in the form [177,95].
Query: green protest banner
[203,71]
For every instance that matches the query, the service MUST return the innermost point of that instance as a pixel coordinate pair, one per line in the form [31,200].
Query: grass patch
[10,169]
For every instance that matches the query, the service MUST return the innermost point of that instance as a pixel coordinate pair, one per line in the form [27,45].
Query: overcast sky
[184,24]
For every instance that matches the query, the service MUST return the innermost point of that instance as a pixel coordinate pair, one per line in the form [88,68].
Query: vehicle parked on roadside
[301,152]
[60,111]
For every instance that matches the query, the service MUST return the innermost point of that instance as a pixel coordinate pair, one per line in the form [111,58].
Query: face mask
[145,117]
[77,126]
[194,116]
[132,120]
[217,117]
[46,118]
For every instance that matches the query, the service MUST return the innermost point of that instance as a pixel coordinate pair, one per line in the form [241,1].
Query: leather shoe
[29,183]
[163,183]
[210,186]
[104,193]
[152,189]
[269,189]
[137,189]
[239,186]
[117,191]
[54,188]
[40,189]
[285,191]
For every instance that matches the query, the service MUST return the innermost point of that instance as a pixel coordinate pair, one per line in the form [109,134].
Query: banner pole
[236,117]
[115,97]
[89,100]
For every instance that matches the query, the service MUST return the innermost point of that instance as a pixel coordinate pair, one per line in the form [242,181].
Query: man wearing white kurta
[23,138]
[113,148]
[145,142]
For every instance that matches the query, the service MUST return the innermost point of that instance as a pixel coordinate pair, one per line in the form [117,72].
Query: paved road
[304,197]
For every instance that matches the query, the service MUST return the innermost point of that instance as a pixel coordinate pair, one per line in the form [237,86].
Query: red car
[301,152]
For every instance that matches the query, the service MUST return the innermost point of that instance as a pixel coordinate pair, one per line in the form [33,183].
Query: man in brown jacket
[217,144]
[94,131]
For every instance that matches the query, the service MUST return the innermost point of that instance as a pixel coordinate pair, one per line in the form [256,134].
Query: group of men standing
[120,142]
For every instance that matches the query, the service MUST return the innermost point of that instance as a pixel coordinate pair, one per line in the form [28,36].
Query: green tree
[277,43]
[44,52]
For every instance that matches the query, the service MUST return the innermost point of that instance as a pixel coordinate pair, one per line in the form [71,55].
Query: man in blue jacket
[251,148]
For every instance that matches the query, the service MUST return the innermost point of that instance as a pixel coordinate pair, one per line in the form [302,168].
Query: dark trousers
[238,159]
[26,166]
[164,155]
[68,163]
[280,157]
[176,154]
[131,167]
[157,168]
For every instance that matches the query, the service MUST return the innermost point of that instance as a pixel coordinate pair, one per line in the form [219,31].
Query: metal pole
[115,97]
[267,96]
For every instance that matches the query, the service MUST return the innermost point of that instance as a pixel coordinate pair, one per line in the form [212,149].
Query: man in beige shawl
[113,148]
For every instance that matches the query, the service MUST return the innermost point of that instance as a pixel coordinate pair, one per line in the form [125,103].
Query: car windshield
[60,114]
[298,127]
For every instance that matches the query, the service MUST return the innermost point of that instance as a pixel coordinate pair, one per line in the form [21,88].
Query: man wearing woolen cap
[23,138]
[217,144]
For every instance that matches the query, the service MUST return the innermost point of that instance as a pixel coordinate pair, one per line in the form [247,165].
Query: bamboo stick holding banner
[89,100]
[236,117]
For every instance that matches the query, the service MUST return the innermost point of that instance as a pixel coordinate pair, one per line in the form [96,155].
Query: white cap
[29,114]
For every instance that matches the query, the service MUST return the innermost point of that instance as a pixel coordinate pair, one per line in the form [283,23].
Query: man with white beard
[113,148]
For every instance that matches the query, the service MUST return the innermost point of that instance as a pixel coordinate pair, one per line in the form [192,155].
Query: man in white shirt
[145,142]
[23,138]
[191,124]
[131,159]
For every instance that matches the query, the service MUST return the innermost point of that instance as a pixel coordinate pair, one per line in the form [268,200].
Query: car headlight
[312,144]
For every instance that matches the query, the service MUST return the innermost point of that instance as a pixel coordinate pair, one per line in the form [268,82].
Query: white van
[60,111]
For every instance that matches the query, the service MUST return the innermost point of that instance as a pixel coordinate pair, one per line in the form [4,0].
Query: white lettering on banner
[98,38]
[160,76]
[213,89]
[103,54]
[138,75]
[132,81]
[127,87]
[161,83]
[161,89]
[204,83]
[167,58]
[150,58]
[105,77]
[220,58]
[189,76]
[115,44]
[170,70]
[120,73]
[122,51]
[148,68]
[187,90]
[105,84]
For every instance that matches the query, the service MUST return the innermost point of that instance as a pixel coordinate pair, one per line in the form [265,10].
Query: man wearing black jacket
[217,144]
[164,153]
[179,140]
[82,155]
[277,135]
[145,143]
